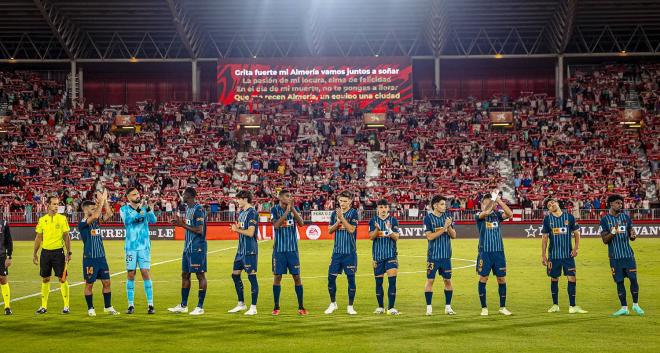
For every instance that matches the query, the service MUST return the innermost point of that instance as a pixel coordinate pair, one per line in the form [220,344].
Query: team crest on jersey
[492,225]
[559,230]
[621,229]
[96,231]
[188,222]
[289,223]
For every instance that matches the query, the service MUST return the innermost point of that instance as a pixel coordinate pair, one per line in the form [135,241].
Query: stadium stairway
[508,188]
[373,164]
[646,175]
[241,165]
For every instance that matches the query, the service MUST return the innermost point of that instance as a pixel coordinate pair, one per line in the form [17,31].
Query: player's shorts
[3,270]
[52,261]
[491,261]
[287,260]
[247,263]
[193,262]
[622,268]
[441,266]
[138,258]
[381,267]
[557,266]
[343,262]
[95,268]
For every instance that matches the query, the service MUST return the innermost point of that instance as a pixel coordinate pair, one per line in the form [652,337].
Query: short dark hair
[382,202]
[87,203]
[347,194]
[547,200]
[190,191]
[244,194]
[130,190]
[436,199]
[52,197]
[284,192]
[486,196]
[612,198]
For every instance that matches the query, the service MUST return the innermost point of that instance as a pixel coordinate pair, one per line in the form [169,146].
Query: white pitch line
[219,250]
[112,275]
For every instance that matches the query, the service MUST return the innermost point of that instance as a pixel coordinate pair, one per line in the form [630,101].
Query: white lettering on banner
[120,233]
[410,232]
[263,234]
[321,216]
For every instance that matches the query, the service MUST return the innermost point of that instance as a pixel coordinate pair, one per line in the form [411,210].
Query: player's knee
[483,279]
[45,279]
[201,276]
[145,274]
[130,275]
[448,284]
[185,275]
[501,280]
[3,280]
[556,279]
[571,279]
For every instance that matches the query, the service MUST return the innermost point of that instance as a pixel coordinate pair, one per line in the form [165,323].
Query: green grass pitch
[529,329]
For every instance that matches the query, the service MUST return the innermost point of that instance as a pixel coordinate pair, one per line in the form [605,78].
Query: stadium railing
[402,215]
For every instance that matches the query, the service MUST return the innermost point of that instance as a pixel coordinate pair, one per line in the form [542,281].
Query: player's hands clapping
[448,222]
[380,231]
[177,221]
[340,214]
[235,227]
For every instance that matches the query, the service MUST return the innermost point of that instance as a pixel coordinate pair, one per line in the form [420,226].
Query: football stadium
[330,175]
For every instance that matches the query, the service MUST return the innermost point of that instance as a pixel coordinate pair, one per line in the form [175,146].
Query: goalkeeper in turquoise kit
[136,217]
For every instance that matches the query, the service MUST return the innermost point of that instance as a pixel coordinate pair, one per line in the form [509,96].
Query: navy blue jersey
[286,236]
[345,241]
[490,235]
[92,241]
[384,247]
[559,231]
[440,247]
[619,247]
[248,245]
[195,217]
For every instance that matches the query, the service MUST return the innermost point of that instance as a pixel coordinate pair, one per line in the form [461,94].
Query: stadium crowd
[576,151]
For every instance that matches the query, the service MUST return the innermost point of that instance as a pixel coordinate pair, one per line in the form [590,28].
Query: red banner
[372,82]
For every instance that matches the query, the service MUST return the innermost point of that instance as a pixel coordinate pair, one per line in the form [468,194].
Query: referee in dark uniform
[6,249]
